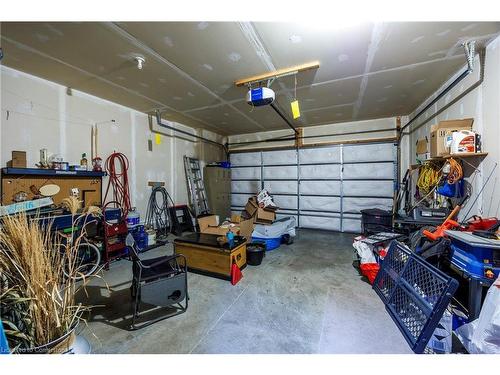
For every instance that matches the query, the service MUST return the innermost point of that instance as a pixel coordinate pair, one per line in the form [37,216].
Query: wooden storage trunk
[204,255]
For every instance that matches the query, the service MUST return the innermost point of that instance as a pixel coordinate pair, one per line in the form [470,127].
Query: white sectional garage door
[323,187]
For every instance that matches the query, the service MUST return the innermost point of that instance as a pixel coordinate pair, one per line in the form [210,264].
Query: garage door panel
[358,204]
[368,152]
[245,173]
[320,171]
[239,200]
[283,187]
[245,158]
[285,201]
[318,222]
[369,171]
[346,178]
[368,188]
[351,225]
[279,157]
[280,172]
[320,203]
[320,155]
[320,187]
[245,186]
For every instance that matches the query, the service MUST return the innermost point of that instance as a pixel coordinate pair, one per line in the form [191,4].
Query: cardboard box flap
[421,146]
[246,229]
[251,206]
[207,221]
[271,208]
[456,124]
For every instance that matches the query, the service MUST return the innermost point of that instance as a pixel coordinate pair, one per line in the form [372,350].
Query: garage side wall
[482,104]
[36,114]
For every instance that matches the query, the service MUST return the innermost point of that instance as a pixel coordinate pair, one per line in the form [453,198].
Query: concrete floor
[303,298]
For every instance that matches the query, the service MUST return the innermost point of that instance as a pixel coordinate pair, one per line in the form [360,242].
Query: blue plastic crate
[477,262]
[414,292]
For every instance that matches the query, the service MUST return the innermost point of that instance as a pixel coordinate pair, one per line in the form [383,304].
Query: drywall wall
[371,129]
[483,105]
[36,114]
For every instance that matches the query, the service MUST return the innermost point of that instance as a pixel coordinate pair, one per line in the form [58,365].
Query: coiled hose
[117,168]
[157,215]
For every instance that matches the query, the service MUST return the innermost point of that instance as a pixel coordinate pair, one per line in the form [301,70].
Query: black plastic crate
[375,220]
[414,292]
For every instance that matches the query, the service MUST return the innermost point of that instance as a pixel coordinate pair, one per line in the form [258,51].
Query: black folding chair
[161,282]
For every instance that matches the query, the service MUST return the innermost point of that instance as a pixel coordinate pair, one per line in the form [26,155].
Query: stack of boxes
[447,138]
[442,137]
[261,209]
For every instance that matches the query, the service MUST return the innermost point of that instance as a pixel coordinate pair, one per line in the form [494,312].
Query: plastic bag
[483,334]
[277,229]
[365,252]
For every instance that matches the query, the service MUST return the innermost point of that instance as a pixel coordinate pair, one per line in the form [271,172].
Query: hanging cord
[456,173]
[117,168]
[428,178]
[428,182]
[157,215]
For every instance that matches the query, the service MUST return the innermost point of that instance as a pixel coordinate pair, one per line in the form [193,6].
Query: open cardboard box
[265,216]
[208,225]
[257,214]
[251,207]
[440,131]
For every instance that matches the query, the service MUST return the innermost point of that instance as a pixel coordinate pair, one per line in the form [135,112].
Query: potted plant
[38,285]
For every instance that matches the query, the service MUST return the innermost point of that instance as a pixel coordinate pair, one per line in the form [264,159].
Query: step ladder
[196,187]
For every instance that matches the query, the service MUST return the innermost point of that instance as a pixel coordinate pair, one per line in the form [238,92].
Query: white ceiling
[366,70]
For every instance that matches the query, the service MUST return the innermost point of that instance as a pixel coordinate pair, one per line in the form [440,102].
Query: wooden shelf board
[463,155]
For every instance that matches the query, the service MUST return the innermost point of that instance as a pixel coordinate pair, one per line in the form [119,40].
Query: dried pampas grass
[73,204]
[37,303]
[94,211]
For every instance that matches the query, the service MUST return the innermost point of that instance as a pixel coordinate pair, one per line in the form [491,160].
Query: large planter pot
[59,346]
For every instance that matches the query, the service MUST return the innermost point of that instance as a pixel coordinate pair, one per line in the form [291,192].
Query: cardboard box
[253,211]
[265,216]
[251,206]
[441,130]
[18,160]
[208,225]
[422,149]
[235,218]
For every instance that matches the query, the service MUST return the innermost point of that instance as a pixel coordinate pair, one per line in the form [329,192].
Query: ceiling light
[140,61]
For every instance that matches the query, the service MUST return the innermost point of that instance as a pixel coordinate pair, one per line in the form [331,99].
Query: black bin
[255,252]
[375,220]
